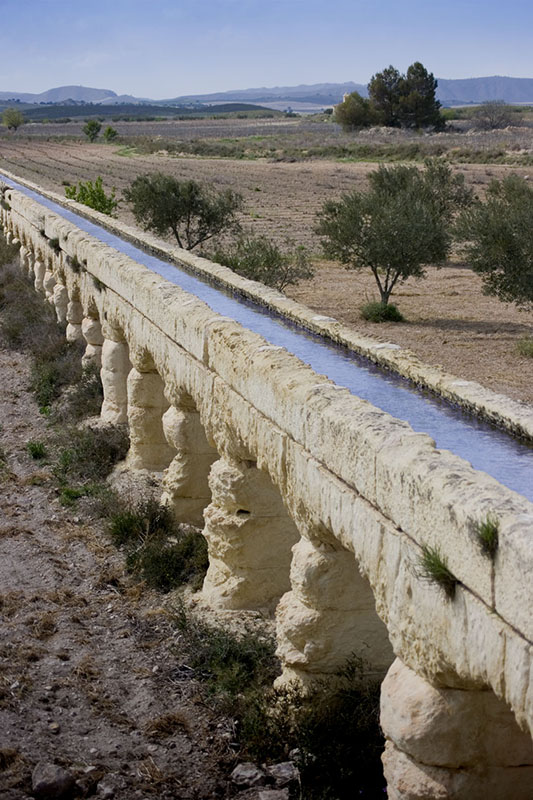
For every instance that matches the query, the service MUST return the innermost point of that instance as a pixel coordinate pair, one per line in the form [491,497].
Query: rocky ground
[96,697]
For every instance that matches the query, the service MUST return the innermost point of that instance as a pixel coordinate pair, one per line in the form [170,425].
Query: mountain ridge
[450,91]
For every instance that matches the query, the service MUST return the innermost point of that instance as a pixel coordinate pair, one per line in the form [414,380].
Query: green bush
[157,549]
[93,195]
[377,312]
[89,454]
[331,730]
[260,259]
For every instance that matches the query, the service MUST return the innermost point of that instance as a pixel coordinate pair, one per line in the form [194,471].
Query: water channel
[497,452]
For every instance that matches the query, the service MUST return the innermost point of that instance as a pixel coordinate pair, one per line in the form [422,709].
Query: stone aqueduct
[317,505]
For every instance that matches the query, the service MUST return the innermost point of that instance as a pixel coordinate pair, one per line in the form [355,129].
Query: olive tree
[398,226]
[12,118]
[192,212]
[498,238]
[92,129]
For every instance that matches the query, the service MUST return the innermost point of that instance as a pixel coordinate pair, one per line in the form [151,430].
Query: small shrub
[377,312]
[433,567]
[36,450]
[55,245]
[110,134]
[93,195]
[331,730]
[525,346]
[81,399]
[260,259]
[89,454]
[157,548]
[487,533]
[229,664]
[68,495]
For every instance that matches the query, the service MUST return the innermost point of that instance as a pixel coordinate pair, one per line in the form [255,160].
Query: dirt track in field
[450,321]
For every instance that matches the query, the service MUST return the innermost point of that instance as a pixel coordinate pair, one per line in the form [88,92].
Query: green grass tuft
[36,450]
[488,535]
[525,346]
[433,567]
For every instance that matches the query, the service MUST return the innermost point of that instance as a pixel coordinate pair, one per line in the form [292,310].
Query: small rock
[273,794]
[50,782]
[54,727]
[248,774]
[283,773]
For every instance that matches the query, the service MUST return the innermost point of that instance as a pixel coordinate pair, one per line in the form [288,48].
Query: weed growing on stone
[433,567]
[159,550]
[487,533]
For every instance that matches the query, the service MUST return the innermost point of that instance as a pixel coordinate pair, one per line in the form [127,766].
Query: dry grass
[167,725]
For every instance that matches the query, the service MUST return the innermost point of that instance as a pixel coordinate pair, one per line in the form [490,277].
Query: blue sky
[165,48]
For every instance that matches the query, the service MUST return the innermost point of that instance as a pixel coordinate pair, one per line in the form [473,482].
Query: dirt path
[89,666]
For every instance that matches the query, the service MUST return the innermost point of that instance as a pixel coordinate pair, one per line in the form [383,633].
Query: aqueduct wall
[316,504]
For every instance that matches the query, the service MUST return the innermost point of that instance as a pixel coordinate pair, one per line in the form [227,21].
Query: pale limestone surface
[355,492]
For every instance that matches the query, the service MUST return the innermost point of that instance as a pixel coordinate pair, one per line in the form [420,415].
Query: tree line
[407,219]
[394,100]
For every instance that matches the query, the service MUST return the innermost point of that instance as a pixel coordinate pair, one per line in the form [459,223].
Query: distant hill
[303,97]
[61,94]
[318,93]
[477,90]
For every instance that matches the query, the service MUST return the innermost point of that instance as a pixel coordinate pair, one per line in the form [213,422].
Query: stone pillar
[49,283]
[451,743]
[39,270]
[25,259]
[92,333]
[328,616]
[74,318]
[60,302]
[114,375]
[185,483]
[149,448]
[249,536]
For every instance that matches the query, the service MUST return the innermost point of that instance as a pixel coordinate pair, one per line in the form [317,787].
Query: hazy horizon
[167,48]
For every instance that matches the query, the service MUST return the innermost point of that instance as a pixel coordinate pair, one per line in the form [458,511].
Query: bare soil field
[91,674]
[450,321]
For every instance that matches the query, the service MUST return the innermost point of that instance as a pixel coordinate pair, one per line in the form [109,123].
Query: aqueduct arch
[353,481]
